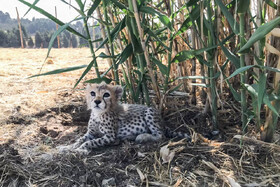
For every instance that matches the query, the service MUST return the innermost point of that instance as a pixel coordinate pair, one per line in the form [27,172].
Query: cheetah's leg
[152,119]
[87,146]
[80,141]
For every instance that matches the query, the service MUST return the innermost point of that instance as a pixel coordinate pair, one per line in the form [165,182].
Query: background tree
[30,43]
[65,41]
[74,41]
[38,40]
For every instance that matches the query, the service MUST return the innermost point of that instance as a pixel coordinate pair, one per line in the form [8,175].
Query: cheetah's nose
[97,102]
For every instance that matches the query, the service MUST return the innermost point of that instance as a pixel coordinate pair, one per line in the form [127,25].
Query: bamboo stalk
[242,76]
[116,74]
[91,49]
[56,25]
[146,54]
[107,51]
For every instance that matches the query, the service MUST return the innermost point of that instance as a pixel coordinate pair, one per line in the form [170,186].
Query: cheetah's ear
[118,92]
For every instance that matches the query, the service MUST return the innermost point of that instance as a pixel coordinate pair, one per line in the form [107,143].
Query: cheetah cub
[110,121]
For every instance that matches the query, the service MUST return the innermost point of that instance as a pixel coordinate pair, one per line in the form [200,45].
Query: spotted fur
[111,121]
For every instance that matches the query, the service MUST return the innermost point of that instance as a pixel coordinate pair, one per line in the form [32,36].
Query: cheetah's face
[103,97]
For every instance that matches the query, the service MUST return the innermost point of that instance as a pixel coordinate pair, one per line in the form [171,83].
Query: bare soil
[39,114]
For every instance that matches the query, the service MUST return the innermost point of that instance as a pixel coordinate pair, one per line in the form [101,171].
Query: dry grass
[41,113]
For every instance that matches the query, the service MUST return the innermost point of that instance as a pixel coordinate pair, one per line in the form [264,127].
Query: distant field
[37,93]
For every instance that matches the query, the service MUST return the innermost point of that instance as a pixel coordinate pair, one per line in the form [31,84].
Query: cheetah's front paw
[64,148]
[82,151]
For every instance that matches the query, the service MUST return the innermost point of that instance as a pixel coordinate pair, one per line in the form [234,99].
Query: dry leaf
[166,154]
[141,175]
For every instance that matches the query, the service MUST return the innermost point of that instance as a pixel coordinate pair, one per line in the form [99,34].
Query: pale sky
[64,12]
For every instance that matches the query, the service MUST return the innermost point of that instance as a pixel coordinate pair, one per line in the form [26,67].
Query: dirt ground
[39,114]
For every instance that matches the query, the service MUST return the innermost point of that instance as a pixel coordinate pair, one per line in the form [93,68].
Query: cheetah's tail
[172,134]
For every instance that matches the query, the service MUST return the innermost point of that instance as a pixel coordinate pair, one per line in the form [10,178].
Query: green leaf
[43,12]
[235,94]
[81,5]
[93,7]
[34,3]
[189,54]
[99,80]
[228,15]
[70,5]
[163,18]
[191,2]
[240,70]
[61,29]
[232,57]
[113,33]
[193,15]
[127,52]
[175,88]
[271,3]
[199,84]
[85,72]
[260,33]
[57,71]
[119,4]
[243,6]
[192,77]
[162,67]
[271,69]
[152,34]
[268,103]
[261,89]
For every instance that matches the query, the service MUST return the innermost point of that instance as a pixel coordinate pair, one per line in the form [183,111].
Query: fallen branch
[228,180]
[266,144]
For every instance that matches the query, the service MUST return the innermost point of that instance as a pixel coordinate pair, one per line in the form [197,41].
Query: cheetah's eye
[106,95]
[92,93]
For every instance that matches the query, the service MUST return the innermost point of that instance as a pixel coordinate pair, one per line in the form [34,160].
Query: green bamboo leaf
[193,15]
[61,29]
[192,77]
[152,34]
[43,12]
[127,52]
[271,3]
[57,71]
[89,66]
[162,67]
[99,80]
[175,88]
[271,69]
[93,7]
[261,89]
[200,84]
[189,54]
[103,55]
[34,3]
[70,4]
[119,4]
[268,103]
[163,18]
[81,5]
[192,2]
[240,70]
[260,33]
[114,32]
[243,6]
[232,57]
[235,94]
[228,15]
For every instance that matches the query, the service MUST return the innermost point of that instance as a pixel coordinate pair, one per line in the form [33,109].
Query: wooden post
[58,41]
[20,31]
